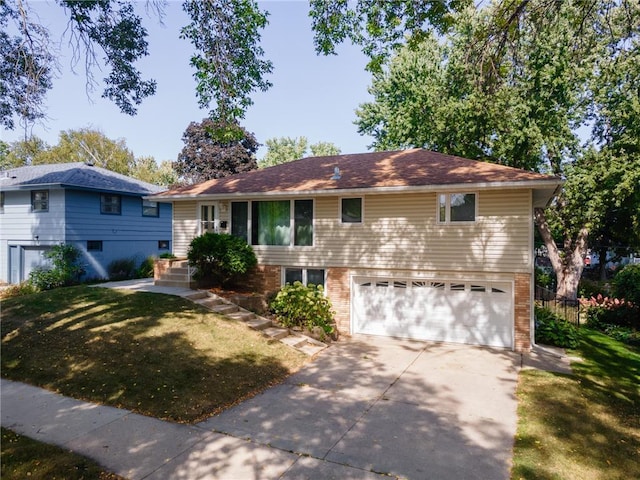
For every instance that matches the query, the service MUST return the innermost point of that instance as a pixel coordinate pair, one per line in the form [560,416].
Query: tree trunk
[567,265]
[602,266]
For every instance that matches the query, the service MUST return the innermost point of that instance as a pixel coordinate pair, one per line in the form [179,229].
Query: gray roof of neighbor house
[403,170]
[75,175]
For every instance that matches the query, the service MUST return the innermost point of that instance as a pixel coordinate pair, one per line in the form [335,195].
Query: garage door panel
[453,311]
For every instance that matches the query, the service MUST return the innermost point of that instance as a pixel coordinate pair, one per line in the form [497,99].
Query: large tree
[91,146]
[285,149]
[215,149]
[552,76]
[109,35]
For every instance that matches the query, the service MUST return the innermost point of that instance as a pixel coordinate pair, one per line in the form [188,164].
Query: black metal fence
[567,309]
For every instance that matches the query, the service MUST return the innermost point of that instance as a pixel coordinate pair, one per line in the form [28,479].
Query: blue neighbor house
[102,213]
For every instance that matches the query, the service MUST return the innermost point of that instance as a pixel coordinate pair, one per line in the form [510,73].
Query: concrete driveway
[372,406]
[368,408]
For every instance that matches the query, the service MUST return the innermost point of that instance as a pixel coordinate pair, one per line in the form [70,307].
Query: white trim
[447,213]
[216,216]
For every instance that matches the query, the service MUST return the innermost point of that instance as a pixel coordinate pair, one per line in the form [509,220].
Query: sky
[312,96]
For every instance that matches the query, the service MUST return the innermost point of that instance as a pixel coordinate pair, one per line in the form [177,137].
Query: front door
[208,218]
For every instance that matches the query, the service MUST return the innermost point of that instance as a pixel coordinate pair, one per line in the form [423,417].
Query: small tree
[65,269]
[215,149]
[220,258]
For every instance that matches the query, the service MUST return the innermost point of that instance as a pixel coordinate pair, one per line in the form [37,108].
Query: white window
[40,201]
[306,276]
[456,207]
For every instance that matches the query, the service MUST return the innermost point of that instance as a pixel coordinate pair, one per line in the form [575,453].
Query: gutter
[535,184]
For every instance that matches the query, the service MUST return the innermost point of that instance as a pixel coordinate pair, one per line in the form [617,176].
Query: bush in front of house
[65,269]
[145,270]
[122,269]
[550,329]
[626,284]
[220,258]
[303,306]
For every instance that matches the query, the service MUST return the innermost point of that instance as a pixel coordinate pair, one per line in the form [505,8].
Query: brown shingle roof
[404,168]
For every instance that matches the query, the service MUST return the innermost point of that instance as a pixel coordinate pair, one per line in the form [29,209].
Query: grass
[584,426]
[23,458]
[157,355]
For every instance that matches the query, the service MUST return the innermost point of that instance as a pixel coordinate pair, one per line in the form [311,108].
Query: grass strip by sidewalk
[154,354]
[22,457]
[584,426]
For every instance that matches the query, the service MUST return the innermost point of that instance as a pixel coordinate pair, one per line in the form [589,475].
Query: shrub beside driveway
[154,354]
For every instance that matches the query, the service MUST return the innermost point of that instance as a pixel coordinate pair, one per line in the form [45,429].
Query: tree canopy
[215,149]
[109,35]
[285,149]
[556,78]
[87,145]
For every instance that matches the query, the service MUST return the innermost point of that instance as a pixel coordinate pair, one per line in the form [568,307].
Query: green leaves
[228,59]
[215,149]
[298,305]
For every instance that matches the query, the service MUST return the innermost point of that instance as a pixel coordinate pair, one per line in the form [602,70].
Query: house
[101,212]
[411,243]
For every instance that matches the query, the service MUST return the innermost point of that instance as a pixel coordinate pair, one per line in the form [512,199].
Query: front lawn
[22,457]
[154,354]
[585,426]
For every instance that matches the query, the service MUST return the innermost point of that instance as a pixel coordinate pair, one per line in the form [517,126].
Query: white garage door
[474,312]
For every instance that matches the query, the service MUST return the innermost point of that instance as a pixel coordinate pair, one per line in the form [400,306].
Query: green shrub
[18,290]
[602,311]
[626,284]
[591,288]
[220,258]
[168,255]
[64,270]
[553,330]
[299,306]
[145,270]
[544,279]
[122,269]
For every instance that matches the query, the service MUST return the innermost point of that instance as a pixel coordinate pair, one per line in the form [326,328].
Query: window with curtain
[271,222]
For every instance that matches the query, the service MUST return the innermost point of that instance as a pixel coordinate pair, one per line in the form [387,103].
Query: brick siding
[338,290]
[265,279]
[522,312]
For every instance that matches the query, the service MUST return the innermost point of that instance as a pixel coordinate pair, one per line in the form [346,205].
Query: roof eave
[551,185]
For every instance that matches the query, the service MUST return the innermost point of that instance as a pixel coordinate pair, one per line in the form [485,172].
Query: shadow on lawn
[593,417]
[153,354]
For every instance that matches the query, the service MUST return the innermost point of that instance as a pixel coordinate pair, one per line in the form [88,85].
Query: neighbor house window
[110,204]
[275,222]
[306,276]
[456,207]
[94,245]
[1,202]
[40,201]
[163,244]
[240,220]
[351,210]
[150,209]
